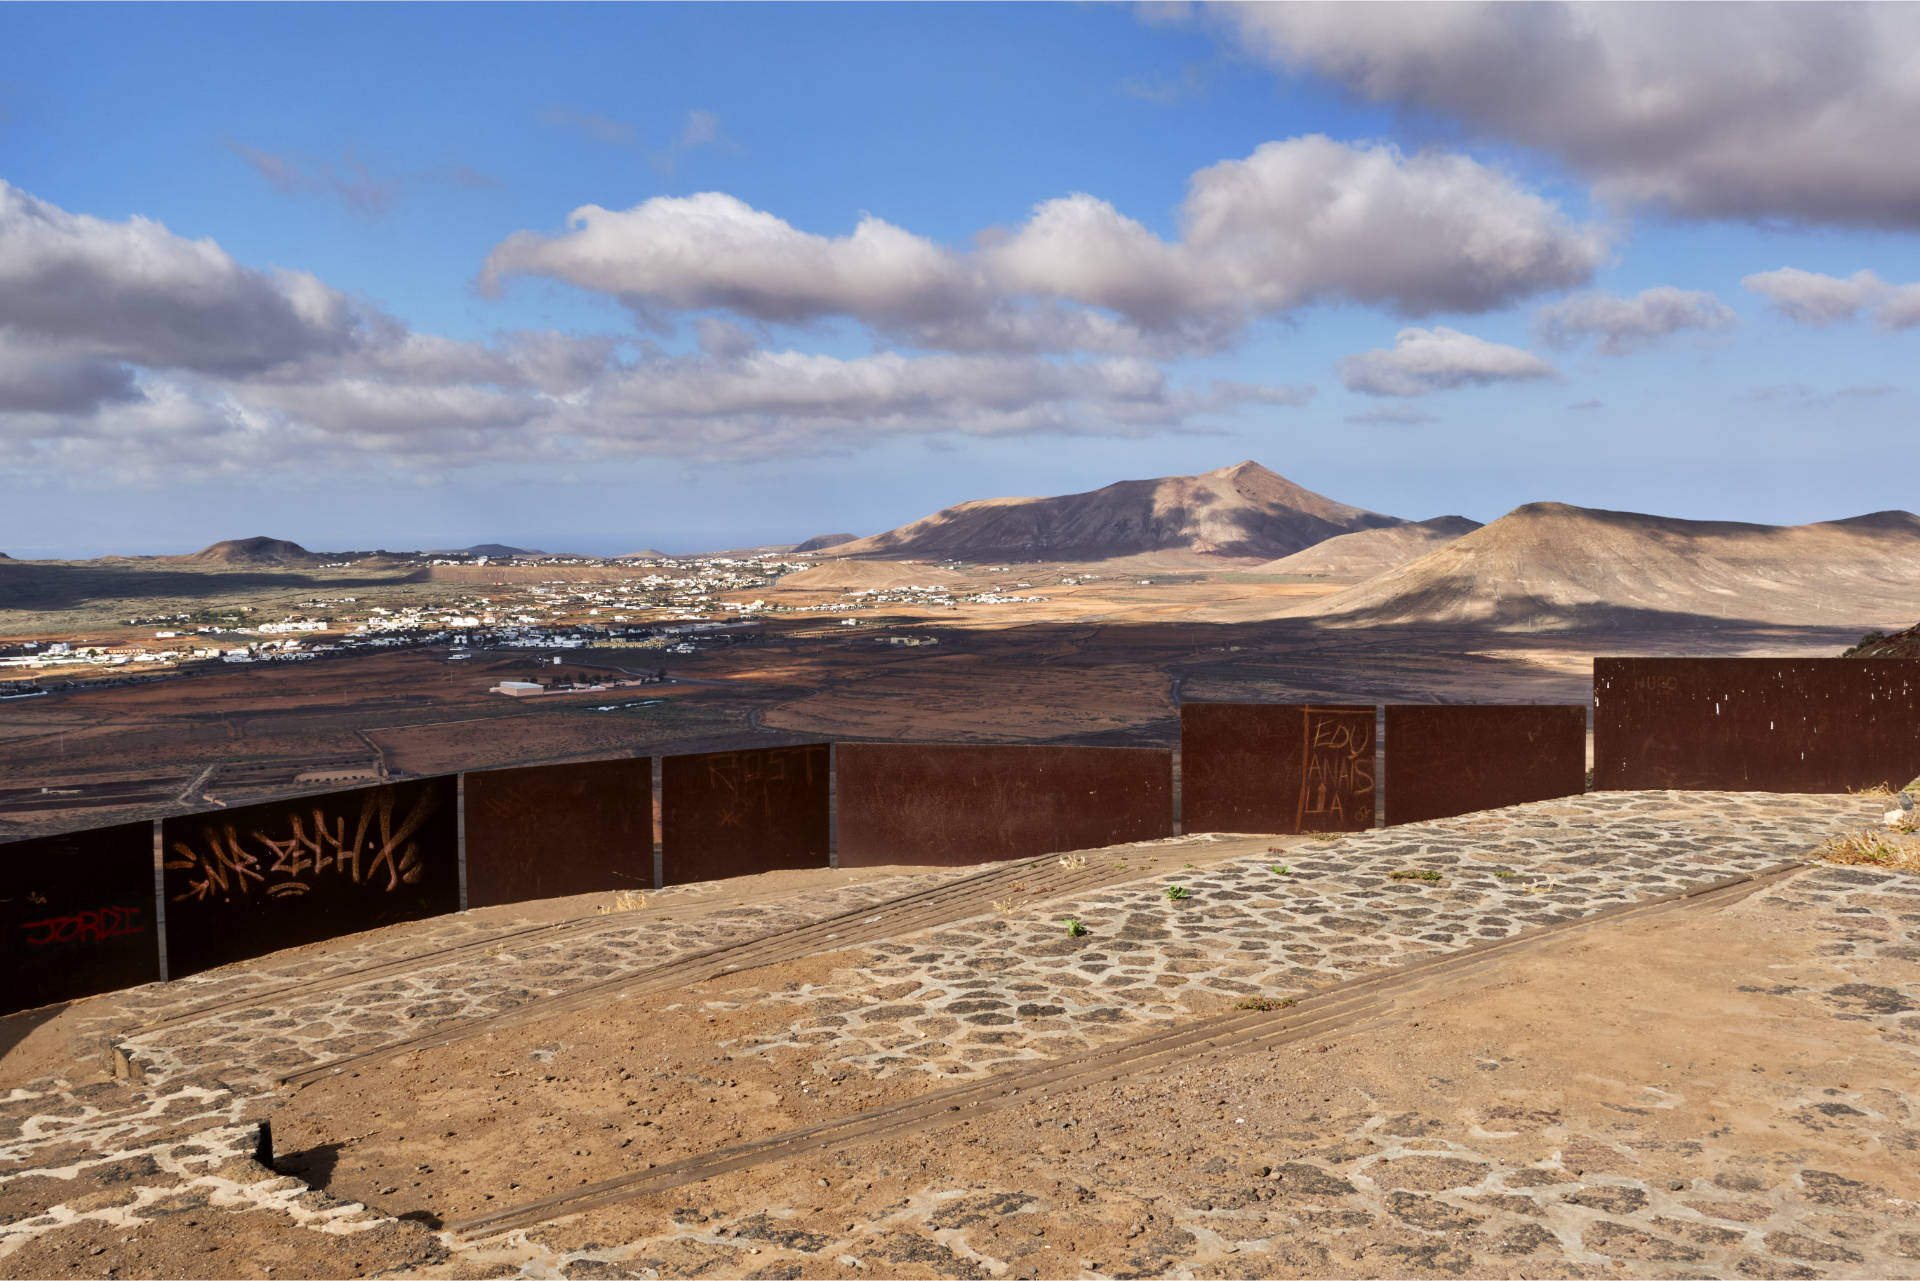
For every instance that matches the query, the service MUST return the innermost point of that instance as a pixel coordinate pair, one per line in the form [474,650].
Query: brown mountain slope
[1904,644]
[820,542]
[1244,510]
[1549,566]
[1358,556]
[252,551]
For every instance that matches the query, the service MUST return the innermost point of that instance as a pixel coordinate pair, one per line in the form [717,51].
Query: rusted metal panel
[1276,767]
[1443,761]
[1755,724]
[738,813]
[76,911]
[545,831]
[949,805]
[251,880]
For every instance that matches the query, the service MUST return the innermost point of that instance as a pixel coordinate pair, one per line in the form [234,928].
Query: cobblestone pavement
[1012,984]
[964,1000]
[258,1042]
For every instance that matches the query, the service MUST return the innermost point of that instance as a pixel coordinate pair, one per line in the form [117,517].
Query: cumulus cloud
[1820,300]
[1789,111]
[126,347]
[133,291]
[36,381]
[1297,222]
[1429,360]
[1622,325]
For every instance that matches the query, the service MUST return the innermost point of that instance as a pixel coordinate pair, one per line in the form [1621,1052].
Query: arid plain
[1078,619]
[1620,1034]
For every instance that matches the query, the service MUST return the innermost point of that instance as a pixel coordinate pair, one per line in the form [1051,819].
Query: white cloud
[126,348]
[693,253]
[1795,111]
[133,291]
[1296,222]
[1820,300]
[1622,325]
[1429,360]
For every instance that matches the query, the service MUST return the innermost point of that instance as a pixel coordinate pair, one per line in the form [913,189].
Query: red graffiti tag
[86,927]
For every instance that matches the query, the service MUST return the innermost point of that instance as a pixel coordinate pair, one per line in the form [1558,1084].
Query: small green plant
[1187,865]
[1415,874]
[1279,869]
[1177,892]
[1074,928]
[1264,1003]
[1508,876]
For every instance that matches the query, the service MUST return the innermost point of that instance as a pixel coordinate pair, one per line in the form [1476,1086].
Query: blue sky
[308,270]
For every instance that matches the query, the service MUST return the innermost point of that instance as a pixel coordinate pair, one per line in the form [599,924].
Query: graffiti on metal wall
[76,915]
[255,879]
[1336,777]
[222,863]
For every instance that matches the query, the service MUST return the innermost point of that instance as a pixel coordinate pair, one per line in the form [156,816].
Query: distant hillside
[1905,644]
[820,542]
[1244,511]
[1550,565]
[490,550]
[1359,556]
[253,551]
[861,575]
[645,553]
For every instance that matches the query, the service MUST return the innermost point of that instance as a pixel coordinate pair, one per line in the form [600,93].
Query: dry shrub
[1895,851]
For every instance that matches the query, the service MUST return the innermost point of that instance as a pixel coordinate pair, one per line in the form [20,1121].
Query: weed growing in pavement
[1177,892]
[1878,789]
[1873,849]
[1279,869]
[1264,1003]
[623,901]
[1074,928]
[1415,874]
[1508,876]
[1003,905]
[1073,862]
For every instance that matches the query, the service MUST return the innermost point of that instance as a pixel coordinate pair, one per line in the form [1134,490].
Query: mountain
[1359,556]
[1904,644]
[492,551]
[1244,510]
[820,542]
[253,551]
[1549,566]
[645,553]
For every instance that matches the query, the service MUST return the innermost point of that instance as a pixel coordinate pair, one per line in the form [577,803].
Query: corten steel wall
[1755,724]
[1443,761]
[737,813]
[1276,767]
[951,805]
[247,881]
[76,912]
[545,831]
